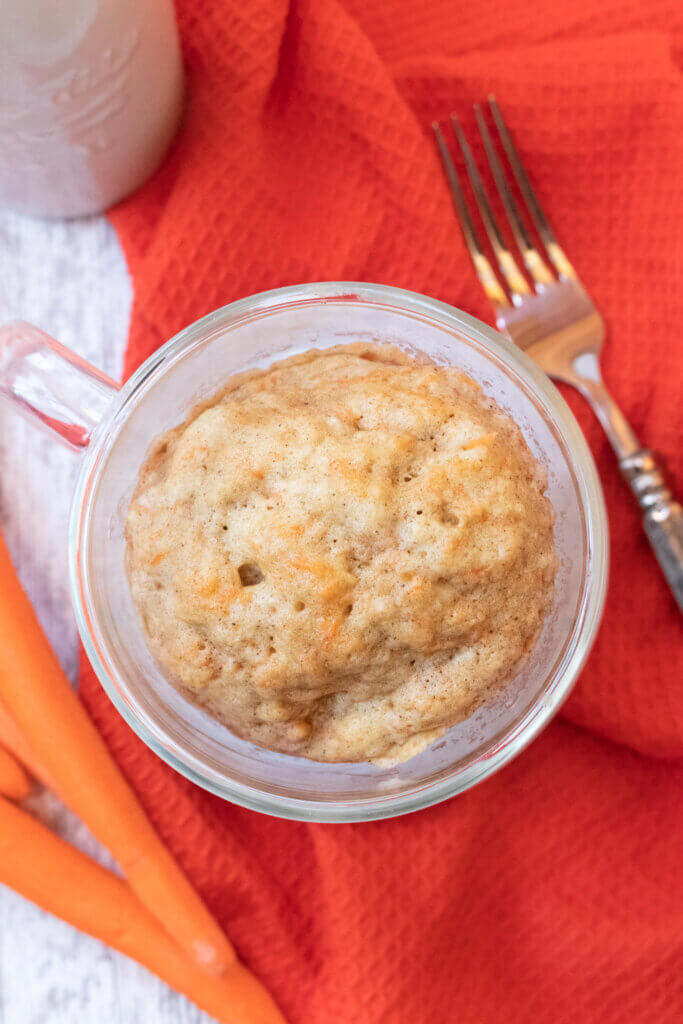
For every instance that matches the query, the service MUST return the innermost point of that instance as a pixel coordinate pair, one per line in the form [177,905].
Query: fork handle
[662,515]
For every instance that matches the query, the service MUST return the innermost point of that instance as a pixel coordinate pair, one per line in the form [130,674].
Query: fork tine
[516,281]
[538,269]
[482,264]
[557,256]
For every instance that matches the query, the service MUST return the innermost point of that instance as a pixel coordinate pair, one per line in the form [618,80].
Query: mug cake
[343,555]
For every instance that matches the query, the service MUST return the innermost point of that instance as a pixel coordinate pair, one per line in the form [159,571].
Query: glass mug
[113,428]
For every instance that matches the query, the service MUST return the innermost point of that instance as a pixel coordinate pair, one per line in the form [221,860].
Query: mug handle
[51,385]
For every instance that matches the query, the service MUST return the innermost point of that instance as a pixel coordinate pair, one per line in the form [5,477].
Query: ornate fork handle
[662,515]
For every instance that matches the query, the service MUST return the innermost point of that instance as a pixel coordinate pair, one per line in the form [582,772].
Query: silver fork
[554,321]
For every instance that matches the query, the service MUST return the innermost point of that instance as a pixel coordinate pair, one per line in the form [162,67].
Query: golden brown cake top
[343,555]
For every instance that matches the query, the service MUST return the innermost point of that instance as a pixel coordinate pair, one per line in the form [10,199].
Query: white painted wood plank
[69,278]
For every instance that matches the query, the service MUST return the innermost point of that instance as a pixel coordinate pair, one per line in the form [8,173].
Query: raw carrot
[49,715]
[14,782]
[12,740]
[62,880]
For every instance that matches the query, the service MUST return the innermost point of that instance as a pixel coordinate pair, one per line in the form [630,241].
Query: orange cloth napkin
[553,892]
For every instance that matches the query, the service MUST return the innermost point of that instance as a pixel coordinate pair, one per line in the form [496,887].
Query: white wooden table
[68,277]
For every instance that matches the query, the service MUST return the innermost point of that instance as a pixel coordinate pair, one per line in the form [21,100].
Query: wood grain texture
[69,278]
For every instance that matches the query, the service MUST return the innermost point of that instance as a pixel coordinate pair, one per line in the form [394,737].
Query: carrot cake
[343,555]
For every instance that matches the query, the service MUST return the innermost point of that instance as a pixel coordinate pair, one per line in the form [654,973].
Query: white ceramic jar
[90,96]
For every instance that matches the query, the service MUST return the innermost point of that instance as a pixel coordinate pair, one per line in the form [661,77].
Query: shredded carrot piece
[479,442]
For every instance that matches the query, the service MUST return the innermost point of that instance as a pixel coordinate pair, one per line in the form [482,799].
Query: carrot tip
[209,959]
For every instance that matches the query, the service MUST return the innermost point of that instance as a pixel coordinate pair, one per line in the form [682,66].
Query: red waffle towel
[553,892]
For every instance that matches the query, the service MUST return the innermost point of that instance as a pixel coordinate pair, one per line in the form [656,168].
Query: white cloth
[68,277]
